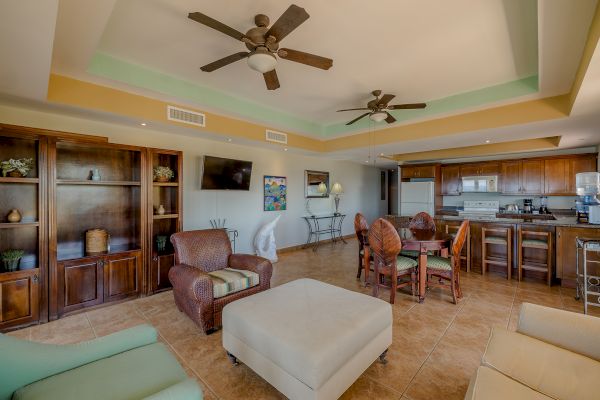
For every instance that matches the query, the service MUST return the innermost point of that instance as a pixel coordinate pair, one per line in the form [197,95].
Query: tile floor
[436,348]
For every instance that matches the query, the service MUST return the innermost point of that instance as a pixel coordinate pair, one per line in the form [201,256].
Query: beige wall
[243,210]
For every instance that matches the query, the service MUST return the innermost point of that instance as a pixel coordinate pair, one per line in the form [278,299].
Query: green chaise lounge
[127,365]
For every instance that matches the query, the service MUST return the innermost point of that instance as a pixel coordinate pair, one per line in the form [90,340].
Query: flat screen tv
[225,174]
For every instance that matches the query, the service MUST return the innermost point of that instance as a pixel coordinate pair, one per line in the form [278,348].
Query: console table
[327,224]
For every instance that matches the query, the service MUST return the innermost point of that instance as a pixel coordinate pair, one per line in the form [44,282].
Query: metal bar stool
[466,252]
[499,237]
[539,241]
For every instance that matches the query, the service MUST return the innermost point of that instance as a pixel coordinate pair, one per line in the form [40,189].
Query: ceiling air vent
[277,137]
[185,116]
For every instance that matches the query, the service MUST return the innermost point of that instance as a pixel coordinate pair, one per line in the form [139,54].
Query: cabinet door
[19,298]
[121,276]
[490,168]
[79,284]
[577,165]
[566,251]
[426,171]
[556,176]
[532,176]
[408,172]
[451,180]
[511,177]
[469,170]
[160,272]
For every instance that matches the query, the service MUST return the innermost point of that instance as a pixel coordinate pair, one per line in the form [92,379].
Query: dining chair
[385,245]
[420,221]
[448,268]
[361,227]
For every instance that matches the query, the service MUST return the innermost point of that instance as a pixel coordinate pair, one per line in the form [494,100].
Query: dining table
[424,241]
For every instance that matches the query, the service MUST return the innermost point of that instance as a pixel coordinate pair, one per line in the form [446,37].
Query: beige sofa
[554,354]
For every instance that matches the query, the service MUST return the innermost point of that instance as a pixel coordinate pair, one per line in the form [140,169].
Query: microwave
[480,184]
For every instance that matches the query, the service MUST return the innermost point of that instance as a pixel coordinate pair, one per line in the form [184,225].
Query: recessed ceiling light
[143,124]
[229,139]
[285,149]
[487,141]
[366,161]
[381,154]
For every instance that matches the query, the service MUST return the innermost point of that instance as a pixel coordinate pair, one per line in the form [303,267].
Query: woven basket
[96,241]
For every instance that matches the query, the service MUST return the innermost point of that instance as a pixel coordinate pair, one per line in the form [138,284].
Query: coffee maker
[527,206]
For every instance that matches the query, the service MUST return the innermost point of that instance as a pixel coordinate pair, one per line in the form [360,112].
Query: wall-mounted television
[225,174]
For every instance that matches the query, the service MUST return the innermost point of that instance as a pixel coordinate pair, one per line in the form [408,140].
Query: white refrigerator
[416,197]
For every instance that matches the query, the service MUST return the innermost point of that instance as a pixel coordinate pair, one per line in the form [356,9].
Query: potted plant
[11,259]
[162,174]
[16,168]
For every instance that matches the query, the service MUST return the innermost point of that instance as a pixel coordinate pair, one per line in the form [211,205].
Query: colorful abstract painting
[275,193]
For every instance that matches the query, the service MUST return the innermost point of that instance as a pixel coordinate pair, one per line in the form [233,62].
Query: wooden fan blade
[224,61]
[354,109]
[271,80]
[386,98]
[292,18]
[305,58]
[356,119]
[213,23]
[407,106]
[390,118]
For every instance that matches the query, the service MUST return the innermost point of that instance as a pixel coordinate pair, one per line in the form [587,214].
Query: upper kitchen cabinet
[418,171]
[559,173]
[522,177]
[451,183]
[480,169]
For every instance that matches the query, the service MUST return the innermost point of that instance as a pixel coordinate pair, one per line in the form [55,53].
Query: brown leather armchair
[197,253]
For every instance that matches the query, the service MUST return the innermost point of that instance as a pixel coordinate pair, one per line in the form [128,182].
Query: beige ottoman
[308,339]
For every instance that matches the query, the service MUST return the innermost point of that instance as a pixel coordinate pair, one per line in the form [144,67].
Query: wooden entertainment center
[59,202]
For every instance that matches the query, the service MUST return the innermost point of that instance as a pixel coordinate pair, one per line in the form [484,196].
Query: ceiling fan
[378,108]
[263,43]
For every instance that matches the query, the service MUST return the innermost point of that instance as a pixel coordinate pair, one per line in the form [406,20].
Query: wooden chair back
[422,221]
[361,227]
[385,243]
[459,240]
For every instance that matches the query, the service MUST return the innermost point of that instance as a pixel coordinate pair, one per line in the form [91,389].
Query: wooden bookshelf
[97,183]
[168,194]
[24,300]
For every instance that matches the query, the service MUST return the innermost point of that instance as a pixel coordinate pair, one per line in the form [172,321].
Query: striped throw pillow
[230,280]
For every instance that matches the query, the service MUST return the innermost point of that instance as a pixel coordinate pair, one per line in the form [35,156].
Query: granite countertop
[559,221]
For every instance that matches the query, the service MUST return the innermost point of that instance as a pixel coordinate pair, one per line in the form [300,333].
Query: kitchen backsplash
[562,202]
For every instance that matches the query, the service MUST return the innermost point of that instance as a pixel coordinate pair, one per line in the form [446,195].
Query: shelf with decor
[165,194]
[96,187]
[23,258]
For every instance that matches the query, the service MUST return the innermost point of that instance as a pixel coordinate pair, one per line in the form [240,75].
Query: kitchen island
[564,230]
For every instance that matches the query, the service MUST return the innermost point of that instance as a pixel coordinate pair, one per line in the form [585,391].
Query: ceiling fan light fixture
[378,116]
[262,60]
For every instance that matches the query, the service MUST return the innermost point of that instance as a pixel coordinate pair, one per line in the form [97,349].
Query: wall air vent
[185,116]
[277,137]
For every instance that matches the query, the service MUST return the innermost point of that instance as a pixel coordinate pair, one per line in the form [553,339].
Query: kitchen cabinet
[522,177]
[161,264]
[480,169]
[556,176]
[451,183]
[94,280]
[566,251]
[418,171]
[577,165]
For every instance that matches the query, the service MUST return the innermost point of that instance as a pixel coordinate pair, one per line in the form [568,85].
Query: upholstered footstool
[308,339]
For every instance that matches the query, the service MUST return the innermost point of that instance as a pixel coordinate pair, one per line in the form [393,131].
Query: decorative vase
[14,216]
[96,174]
[16,174]
[11,265]
[160,210]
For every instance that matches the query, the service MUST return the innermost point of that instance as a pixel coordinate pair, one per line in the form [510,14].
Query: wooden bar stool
[466,252]
[498,237]
[538,241]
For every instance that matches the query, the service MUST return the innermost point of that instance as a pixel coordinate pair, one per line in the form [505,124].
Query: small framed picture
[275,197]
